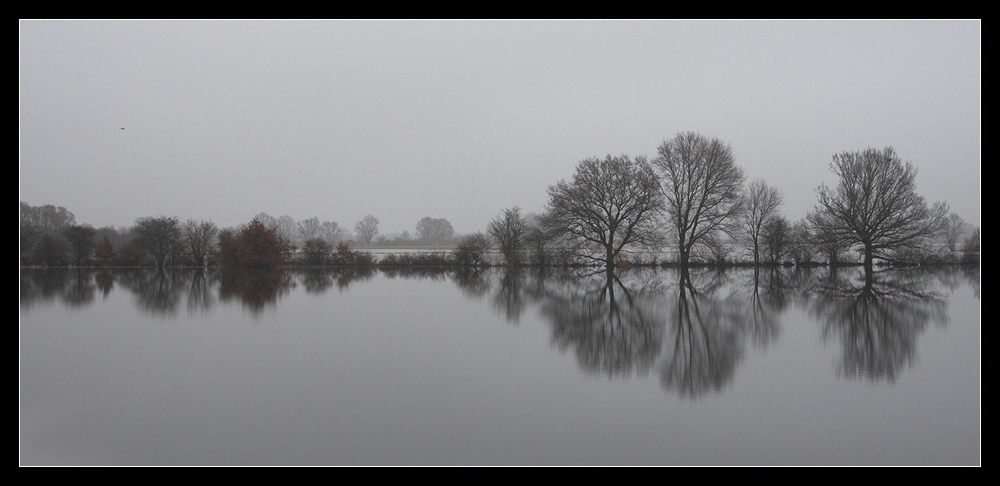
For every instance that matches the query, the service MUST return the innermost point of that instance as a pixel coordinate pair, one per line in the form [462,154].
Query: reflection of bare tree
[613,330]
[81,291]
[200,295]
[509,299]
[157,291]
[317,280]
[707,337]
[472,281]
[348,275]
[878,323]
[105,282]
[42,286]
[256,289]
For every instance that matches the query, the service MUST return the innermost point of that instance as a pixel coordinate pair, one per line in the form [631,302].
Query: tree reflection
[81,290]
[614,330]
[707,333]
[200,292]
[878,321]
[256,289]
[158,291]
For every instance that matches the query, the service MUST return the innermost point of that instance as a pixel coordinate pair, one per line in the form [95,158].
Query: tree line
[690,201]
[693,201]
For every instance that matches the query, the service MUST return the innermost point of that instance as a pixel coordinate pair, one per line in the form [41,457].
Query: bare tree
[309,229]
[81,241]
[876,205]
[611,203]
[954,227]
[157,236]
[801,249]
[702,185]
[199,236]
[760,202]
[287,228]
[331,232]
[509,230]
[471,251]
[776,237]
[366,229]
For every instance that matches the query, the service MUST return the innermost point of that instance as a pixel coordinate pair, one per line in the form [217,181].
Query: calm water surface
[443,368]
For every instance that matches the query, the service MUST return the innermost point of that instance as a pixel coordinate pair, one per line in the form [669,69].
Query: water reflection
[877,320]
[692,328]
[256,290]
[613,329]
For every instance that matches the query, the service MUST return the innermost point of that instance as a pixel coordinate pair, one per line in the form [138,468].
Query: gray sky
[460,119]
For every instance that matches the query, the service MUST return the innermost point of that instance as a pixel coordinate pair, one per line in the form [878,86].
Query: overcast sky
[460,119]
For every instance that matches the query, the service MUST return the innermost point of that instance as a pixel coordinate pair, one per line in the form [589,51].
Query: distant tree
[509,230]
[157,236]
[316,251]
[776,236]
[287,228]
[954,226]
[267,220]
[609,204]
[434,230]
[331,232]
[30,230]
[253,246]
[309,229]
[536,241]
[760,202]
[47,218]
[827,243]
[702,186]
[471,250]
[971,247]
[81,242]
[199,237]
[50,250]
[801,247]
[875,205]
[105,251]
[366,229]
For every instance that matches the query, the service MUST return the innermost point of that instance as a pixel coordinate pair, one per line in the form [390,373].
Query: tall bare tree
[509,230]
[331,232]
[309,228]
[199,237]
[157,236]
[366,229]
[702,186]
[876,205]
[760,202]
[776,237]
[611,203]
[954,227]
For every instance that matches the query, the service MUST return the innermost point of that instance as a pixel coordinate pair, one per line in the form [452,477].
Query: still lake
[567,367]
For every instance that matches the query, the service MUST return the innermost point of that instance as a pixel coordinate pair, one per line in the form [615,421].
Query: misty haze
[500,242]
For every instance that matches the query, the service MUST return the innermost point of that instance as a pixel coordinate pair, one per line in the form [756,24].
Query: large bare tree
[157,236]
[509,230]
[876,205]
[702,186]
[366,229]
[609,204]
[199,237]
[760,202]
[954,227]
